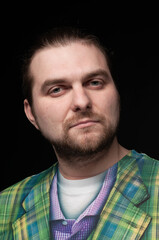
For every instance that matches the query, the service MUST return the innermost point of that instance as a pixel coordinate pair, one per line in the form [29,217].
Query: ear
[29,113]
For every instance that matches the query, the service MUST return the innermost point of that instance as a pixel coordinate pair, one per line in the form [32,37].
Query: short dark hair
[56,37]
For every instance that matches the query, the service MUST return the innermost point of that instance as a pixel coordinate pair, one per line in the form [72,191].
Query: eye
[95,84]
[56,91]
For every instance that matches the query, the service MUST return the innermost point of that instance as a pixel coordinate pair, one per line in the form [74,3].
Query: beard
[81,145]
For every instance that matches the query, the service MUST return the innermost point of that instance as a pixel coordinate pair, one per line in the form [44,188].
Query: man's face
[75,101]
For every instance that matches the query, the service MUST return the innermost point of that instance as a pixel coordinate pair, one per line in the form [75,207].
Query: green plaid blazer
[131,211]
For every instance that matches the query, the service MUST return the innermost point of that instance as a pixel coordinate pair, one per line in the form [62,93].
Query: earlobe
[29,114]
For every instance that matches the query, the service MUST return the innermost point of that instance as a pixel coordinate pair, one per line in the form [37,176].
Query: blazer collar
[121,217]
[41,189]
[129,181]
[35,222]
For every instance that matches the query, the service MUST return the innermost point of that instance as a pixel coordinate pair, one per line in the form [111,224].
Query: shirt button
[64,223]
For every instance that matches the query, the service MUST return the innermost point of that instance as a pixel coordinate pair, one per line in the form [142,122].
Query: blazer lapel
[34,224]
[121,217]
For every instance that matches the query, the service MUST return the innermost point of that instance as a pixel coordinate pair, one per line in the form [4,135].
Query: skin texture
[76,107]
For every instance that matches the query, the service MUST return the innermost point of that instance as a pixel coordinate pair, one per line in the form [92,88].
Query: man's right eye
[56,91]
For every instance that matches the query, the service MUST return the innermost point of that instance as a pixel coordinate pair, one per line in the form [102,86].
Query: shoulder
[15,194]
[11,200]
[148,167]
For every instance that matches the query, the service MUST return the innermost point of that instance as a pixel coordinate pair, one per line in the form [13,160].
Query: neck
[94,165]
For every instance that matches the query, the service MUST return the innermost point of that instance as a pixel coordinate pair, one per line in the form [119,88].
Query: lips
[84,123]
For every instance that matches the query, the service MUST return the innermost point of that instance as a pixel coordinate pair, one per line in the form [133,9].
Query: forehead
[74,58]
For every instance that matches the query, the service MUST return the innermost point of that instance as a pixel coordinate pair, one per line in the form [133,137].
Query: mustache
[80,116]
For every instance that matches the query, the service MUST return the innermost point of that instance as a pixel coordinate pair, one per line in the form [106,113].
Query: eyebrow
[50,82]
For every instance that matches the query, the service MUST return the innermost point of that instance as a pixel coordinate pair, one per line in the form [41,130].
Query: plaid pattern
[130,213]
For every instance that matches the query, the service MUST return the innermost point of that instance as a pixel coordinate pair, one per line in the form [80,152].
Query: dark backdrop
[131,32]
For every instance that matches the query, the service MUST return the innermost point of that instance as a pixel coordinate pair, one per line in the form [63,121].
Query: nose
[80,100]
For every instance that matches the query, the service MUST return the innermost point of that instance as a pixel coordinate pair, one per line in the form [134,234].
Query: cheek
[48,112]
[110,104]
[114,108]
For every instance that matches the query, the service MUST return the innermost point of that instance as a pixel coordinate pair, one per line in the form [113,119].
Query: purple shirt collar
[94,208]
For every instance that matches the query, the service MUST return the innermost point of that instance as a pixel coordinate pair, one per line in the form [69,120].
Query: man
[98,189]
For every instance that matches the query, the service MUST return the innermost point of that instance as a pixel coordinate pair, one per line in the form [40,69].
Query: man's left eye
[95,83]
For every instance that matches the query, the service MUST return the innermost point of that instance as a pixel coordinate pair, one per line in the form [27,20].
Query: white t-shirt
[76,195]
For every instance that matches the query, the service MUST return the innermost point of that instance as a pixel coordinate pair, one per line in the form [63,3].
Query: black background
[130,31]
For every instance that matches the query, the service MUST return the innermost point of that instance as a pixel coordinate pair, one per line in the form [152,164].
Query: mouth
[84,123]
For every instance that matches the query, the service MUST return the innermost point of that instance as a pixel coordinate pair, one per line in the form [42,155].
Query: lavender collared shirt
[80,228]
